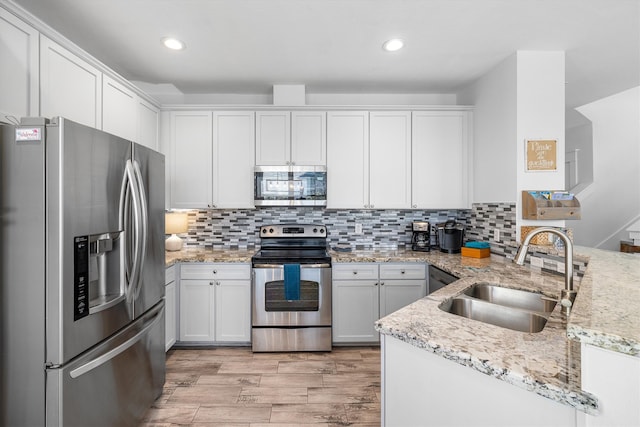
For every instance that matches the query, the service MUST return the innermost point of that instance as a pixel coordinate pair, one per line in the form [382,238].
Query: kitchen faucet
[567,294]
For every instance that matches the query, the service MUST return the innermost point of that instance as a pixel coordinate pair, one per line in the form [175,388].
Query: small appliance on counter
[450,236]
[421,237]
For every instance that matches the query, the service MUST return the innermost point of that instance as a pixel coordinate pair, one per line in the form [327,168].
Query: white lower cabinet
[365,292]
[170,305]
[215,303]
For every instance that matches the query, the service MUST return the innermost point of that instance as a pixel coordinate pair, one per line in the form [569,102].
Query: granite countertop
[548,362]
[605,313]
[208,255]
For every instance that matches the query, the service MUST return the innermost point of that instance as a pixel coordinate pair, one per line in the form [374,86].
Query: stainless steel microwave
[290,185]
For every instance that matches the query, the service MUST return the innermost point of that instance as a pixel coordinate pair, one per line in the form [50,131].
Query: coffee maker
[421,238]
[450,236]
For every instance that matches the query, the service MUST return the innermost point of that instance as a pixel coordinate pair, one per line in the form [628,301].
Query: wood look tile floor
[231,386]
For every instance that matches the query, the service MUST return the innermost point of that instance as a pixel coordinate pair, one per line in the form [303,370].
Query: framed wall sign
[540,155]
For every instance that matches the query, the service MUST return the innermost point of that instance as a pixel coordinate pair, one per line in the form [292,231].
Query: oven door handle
[324,265]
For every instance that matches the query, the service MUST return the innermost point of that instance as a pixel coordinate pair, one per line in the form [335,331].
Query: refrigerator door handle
[105,357]
[144,222]
[130,193]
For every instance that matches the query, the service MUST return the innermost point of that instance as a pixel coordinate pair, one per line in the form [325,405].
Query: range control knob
[315,230]
[264,231]
[322,231]
[271,230]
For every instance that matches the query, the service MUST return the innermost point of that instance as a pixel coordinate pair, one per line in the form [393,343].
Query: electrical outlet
[358,228]
[496,234]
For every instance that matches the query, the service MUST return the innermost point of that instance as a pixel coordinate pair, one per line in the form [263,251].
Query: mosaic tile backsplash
[238,229]
[381,229]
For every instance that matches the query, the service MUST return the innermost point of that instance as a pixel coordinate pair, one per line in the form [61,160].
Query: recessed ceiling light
[393,45]
[173,44]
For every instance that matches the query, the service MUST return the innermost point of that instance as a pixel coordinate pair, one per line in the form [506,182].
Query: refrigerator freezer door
[85,169]
[114,383]
[150,165]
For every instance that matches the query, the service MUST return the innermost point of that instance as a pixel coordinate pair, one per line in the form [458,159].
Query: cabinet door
[395,294]
[440,160]
[148,124]
[309,138]
[69,86]
[233,145]
[348,160]
[19,73]
[191,151]
[390,160]
[273,138]
[119,110]
[170,323]
[233,311]
[355,309]
[197,310]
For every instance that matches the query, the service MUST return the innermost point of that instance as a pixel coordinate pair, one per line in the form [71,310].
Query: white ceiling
[334,46]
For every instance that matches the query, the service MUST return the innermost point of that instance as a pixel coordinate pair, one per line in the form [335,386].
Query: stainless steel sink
[514,309]
[494,314]
[525,300]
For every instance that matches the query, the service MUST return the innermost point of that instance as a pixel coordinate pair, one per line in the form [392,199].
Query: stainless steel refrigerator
[82,276]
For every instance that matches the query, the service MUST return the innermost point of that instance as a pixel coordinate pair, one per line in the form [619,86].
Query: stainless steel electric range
[292,289]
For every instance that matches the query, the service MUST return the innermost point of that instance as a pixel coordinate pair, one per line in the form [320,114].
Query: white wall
[540,115]
[581,138]
[612,202]
[494,130]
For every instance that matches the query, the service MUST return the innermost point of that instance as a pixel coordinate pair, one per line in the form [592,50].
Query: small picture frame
[540,155]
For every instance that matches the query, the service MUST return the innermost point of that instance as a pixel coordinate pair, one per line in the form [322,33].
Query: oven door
[270,308]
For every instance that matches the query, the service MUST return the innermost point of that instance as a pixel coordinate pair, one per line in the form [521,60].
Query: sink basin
[525,300]
[494,314]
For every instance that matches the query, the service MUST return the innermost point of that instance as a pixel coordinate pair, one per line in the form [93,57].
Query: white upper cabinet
[390,160]
[291,138]
[69,86]
[440,159]
[148,124]
[233,148]
[309,138]
[273,138]
[119,110]
[191,147]
[347,159]
[369,160]
[19,73]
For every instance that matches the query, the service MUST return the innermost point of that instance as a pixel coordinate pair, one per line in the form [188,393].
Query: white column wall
[540,115]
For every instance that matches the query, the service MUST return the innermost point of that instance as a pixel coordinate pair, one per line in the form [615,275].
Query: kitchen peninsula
[431,357]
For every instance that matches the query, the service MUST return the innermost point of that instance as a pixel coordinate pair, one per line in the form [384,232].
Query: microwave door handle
[144,225]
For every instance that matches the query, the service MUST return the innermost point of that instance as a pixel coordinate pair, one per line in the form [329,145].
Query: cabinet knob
[217,283]
[382,284]
[415,206]
[210,283]
[375,284]
[355,272]
[215,271]
[401,271]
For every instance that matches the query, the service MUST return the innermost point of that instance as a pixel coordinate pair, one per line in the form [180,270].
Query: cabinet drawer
[403,271]
[170,275]
[355,271]
[216,271]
